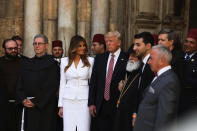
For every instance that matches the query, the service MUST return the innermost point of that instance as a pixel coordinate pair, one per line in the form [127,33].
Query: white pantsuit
[73,95]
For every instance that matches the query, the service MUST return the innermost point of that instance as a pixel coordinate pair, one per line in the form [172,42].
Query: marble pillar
[99,18]
[50,21]
[113,16]
[83,19]
[66,22]
[32,26]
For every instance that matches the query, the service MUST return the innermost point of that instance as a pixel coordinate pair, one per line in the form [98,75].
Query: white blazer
[74,82]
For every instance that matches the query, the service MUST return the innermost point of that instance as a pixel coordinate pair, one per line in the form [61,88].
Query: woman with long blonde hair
[75,72]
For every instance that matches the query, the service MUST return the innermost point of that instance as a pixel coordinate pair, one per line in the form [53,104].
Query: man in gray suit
[159,105]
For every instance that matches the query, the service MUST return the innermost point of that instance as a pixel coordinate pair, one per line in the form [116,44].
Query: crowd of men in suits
[146,89]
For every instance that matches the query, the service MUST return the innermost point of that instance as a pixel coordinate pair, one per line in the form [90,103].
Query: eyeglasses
[38,43]
[12,48]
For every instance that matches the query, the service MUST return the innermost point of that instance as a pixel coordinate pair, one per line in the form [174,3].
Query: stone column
[83,19]
[50,21]
[66,21]
[113,17]
[100,15]
[32,26]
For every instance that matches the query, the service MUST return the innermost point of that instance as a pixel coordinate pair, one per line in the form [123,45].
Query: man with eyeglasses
[37,87]
[10,65]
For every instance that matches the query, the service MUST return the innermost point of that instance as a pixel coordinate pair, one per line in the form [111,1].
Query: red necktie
[108,79]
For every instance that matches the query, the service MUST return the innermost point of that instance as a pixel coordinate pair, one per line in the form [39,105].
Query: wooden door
[154,15]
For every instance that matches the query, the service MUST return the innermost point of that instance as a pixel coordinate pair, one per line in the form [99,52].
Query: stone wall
[61,19]
[11,19]
[58,19]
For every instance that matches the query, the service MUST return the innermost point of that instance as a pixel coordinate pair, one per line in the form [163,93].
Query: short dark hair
[171,35]
[5,41]
[169,32]
[16,37]
[146,36]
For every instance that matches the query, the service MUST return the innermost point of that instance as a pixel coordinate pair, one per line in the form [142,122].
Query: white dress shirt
[145,60]
[116,55]
[186,55]
[161,71]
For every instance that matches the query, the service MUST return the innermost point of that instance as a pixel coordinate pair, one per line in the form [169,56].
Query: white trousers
[76,114]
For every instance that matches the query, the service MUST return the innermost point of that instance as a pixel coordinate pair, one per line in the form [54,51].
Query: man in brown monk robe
[10,65]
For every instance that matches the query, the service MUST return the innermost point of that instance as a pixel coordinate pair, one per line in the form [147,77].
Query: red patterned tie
[108,79]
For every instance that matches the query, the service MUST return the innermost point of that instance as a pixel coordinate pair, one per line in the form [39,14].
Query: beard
[133,65]
[12,55]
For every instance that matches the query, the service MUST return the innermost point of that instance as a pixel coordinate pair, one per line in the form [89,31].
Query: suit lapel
[144,73]
[105,65]
[72,67]
[118,65]
[160,77]
[153,86]
[194,56]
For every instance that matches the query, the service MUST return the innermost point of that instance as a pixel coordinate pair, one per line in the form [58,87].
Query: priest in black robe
[128,99]
[36,89]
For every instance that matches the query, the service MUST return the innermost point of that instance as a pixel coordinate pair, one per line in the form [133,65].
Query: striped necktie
[108,79]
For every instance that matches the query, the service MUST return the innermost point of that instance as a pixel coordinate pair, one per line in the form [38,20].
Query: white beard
[133,65]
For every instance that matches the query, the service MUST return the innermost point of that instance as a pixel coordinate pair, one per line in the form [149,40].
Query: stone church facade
[61,19]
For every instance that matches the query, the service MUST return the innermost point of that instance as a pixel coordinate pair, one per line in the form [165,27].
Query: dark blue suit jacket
[190,71]
[146,78]
[97,82]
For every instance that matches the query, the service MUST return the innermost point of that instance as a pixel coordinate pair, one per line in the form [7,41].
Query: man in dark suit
[98,44]
[170,39]
[57,53]
[159,105]
[142,46]
[188,100]
[108,70]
